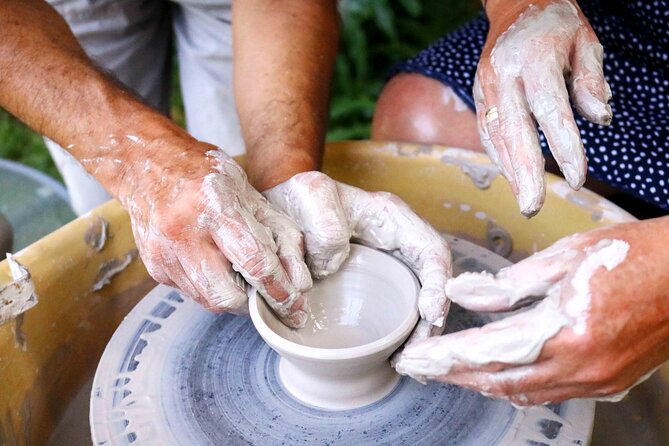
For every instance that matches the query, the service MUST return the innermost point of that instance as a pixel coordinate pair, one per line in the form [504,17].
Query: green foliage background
[375,35]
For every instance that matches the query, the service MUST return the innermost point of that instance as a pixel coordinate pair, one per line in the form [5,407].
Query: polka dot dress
[633,152]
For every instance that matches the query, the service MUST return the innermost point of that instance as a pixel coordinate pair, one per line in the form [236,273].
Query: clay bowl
[359,317]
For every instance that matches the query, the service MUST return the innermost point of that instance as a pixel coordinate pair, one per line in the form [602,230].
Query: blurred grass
[20,143]
[376,34]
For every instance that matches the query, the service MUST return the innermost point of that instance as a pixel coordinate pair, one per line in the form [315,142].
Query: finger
[513,285]
[384,221]
[214,279]
[290,250]
[515,340]
[488,127]
[576,385]
[432,301]
[312,200]
[549,396]
[590,91]
[172,266]
[290,245]
[523,385]
[519,132]
[510,381]
[423,330]
[152,259]
[150,252]
[230,203]
[250,248]
[549,101]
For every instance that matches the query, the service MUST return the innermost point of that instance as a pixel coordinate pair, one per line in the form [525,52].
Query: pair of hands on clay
[198,221]
[535,55]
[601,327]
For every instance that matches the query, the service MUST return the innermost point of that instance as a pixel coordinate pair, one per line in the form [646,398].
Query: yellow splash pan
[50,351]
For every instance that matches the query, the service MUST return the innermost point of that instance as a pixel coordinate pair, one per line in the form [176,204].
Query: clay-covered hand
[197,221]
[534,50]
[602,327]
[330,214]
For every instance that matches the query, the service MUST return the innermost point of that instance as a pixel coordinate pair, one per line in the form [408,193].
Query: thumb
[515,285]
[312,200]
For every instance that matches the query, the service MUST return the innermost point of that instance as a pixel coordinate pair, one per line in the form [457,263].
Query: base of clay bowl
[343,392]
[359,317]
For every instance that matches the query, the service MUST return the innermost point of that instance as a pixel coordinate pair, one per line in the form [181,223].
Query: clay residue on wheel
[20,340]
[413,151]
[599,208]
[111,268]
[473,164]
[481,173]
[19,295]
[97,234]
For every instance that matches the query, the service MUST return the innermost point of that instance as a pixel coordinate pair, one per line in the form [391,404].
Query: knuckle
[390,199]
[290,242]
[485,68]
[616,387]
[499,389]
[286,228]
[327,242]
[172,229]
[521,400]
[261,265]
[586,344]
[507,388]
[156,272]
[599,374]
[305,181]
[196,298]
[151,254]
[228,301]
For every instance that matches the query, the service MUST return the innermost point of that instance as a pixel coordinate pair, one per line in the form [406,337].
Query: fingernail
[301,275]
[410,367]
[299,312]
[601,112]
[322,268]
[572,175]
[528,197]
[299,319]
[607,117]
[595,109]
[607,91]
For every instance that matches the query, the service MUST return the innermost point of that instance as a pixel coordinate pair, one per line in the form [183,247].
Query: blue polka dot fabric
[632,153]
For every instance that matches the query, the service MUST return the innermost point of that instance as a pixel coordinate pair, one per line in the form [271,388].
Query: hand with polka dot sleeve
[535,55]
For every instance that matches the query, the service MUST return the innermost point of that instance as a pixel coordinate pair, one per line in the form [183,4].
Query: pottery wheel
[174,374]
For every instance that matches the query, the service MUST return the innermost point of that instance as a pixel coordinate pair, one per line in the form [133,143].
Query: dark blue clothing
[633,152]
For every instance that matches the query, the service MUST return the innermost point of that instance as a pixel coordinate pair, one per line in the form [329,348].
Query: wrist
[113,133]
[271,169]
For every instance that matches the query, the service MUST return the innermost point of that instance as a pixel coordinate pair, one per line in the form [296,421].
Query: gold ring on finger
[491,114]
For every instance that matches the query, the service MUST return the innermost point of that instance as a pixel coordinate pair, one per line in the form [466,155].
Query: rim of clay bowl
[294,349]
